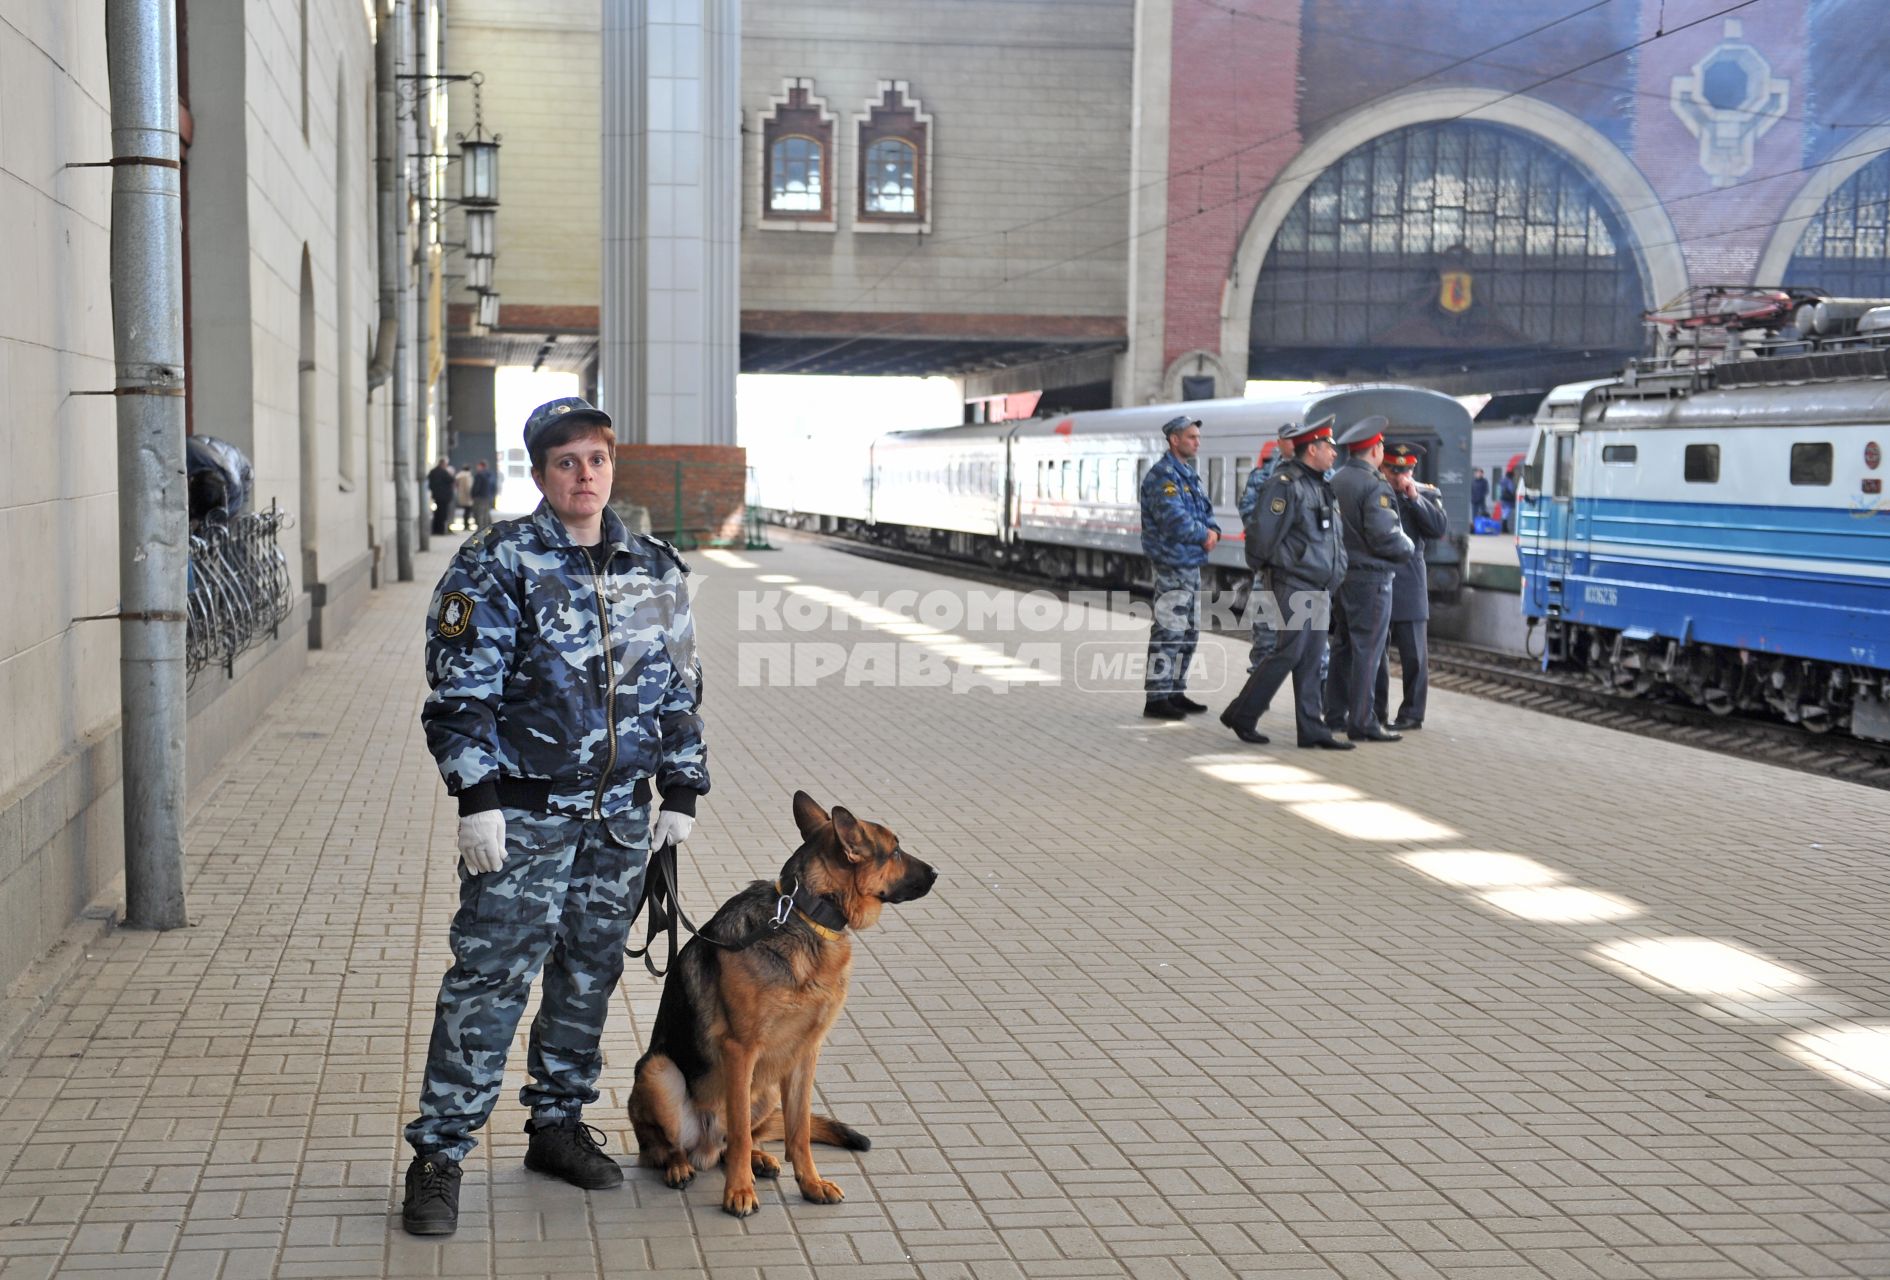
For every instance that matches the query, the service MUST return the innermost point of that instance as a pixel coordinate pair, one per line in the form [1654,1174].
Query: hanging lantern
[479,274]
[482,233]
[489,310]
[479,170]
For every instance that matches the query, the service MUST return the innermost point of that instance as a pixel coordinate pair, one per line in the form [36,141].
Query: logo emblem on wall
[1453,291]
[1729,102]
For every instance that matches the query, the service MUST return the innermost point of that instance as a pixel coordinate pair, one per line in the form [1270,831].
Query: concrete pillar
[1140,368]
[670,318]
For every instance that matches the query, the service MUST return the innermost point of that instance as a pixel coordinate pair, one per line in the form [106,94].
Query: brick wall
[693,493]
[1235,90]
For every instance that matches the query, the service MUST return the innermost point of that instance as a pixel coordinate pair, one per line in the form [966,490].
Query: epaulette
[666,549]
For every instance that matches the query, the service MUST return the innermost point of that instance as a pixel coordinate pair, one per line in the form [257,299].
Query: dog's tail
[826,1131]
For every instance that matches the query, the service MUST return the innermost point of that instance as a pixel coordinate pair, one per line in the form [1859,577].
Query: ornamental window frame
[893,114]
[796,112]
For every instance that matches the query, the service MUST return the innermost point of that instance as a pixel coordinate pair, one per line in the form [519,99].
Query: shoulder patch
[1278,505]
[456,612]
[1384,499]
[1169,490]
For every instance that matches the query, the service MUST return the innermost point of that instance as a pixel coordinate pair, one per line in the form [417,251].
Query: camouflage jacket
[563,685]
[1176,515]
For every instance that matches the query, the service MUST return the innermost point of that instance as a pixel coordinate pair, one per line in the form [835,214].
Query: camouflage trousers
[1173,630]
[561,903]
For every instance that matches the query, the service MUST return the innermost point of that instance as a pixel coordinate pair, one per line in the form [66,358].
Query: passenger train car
[1717,527]
[1060,496]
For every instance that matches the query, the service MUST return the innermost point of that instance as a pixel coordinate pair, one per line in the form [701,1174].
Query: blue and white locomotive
[1714,524]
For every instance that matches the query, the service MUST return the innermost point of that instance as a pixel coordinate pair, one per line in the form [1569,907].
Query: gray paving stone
[1151,1023]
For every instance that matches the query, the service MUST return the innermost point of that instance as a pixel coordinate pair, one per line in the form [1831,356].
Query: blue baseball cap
[559,411]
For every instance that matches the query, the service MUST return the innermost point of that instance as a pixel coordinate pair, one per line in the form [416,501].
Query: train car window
[1065,490]
[1141,473]
[1702,464]
[1811,464]
[1532,469]
[1620,454]
[1242,469]
[1217,472]
[1565,465]
[1125,481]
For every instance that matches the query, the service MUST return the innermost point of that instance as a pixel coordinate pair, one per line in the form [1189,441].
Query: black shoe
[1326,744]
[1162,709]
[1377,733]
[1245,735]
[573,1151]
[432,1204]
[1402,725]
[1187,704]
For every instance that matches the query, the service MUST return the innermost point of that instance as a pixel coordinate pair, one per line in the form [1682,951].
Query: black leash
[662,895]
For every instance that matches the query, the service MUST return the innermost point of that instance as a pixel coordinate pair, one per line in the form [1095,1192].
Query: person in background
[1178,531]
[462,497]
[440,489]
[1421,510]
[1375,545]
[1479,492]
[485,491]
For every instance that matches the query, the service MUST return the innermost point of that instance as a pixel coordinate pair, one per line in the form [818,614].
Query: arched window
[1845,249]
[894,136]
[891,166]
[797,161]
[1447,245]
[794,167]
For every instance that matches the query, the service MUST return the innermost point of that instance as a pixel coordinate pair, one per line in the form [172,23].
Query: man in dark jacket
[1421,511]
[1375,545]
[1297,550]
[440,489]
[1178,531]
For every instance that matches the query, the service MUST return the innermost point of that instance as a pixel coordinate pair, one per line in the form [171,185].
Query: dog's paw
[821,1191]
[740,1201]
[765,1165]
[679,1175]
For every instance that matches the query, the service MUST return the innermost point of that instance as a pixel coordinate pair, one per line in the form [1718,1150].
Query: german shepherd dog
[738,1032]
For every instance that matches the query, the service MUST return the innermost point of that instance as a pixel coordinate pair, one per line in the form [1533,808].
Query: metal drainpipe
[403,355]
[153,518]
[423,255]
[386,59]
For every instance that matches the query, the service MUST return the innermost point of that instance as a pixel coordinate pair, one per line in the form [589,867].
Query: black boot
[571,1150]
[432,1204]
[1244,733]
[1162,709]
[1187,704]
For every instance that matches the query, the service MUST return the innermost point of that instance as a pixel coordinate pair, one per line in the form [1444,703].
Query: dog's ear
[853,841]
[808,816]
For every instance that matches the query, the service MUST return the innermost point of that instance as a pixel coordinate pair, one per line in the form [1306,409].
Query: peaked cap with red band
[1364,433]
[1294,433]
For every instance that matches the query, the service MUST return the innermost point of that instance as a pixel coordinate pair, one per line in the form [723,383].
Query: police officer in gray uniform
[1375,545]
[1297,548]
[1421,510]
[1178,531]
[561,655]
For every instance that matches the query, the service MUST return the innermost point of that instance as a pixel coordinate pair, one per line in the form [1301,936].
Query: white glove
[671,828]
[482,841]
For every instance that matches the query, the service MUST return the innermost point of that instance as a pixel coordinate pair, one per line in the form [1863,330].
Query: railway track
[1517,681]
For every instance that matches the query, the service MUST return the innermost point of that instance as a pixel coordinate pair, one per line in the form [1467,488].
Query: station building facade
[1120,201]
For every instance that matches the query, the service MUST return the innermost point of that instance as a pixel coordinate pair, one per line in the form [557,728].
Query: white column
[669,346]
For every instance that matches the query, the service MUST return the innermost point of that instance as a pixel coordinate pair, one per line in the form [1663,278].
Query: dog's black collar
[825,915]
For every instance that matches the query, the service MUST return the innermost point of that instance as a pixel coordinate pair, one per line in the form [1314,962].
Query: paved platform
[1515,998]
